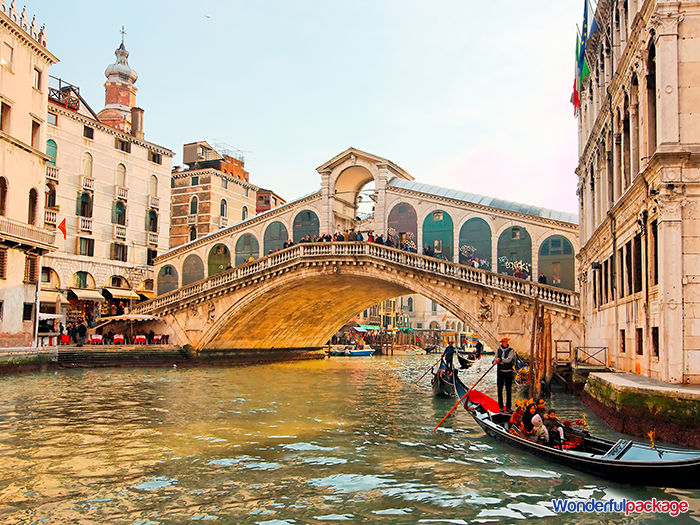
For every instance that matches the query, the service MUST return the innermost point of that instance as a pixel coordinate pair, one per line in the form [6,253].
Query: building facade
[639,262]
[267,199]
[211,193]
[24,74]
[109,190]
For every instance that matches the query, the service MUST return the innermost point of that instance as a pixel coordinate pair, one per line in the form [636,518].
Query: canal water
[340,440]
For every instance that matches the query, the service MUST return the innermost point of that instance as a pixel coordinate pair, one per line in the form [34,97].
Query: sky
[464,94]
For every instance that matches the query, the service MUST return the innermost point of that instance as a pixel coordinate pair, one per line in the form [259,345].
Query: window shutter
[91,247]
[114,212]
[77,204]
[147,224]
[111,251]
[3,264]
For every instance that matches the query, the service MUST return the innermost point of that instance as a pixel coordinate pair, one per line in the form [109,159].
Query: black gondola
[465,361]
[623,461]
[430,349]
[444,381]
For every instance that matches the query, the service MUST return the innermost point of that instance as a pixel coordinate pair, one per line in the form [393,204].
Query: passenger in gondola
[448,356]
[554,427]
[532,425]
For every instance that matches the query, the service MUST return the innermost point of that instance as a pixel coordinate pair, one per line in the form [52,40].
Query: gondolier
[505,356]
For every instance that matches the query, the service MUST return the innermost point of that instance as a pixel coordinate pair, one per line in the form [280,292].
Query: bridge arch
[305,223]
[247,246]
[514,250]
[275,236]
[556,261]
[402,225]
[167,279]
[192,269]
[219,258]
[438,234]
[475,242]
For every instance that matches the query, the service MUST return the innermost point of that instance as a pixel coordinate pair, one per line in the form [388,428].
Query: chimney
[137,123]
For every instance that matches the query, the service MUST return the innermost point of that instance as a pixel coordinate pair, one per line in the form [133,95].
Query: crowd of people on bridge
[349,236]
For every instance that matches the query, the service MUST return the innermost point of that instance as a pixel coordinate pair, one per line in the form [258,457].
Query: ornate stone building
[639,262]
[24,74]
[112,189]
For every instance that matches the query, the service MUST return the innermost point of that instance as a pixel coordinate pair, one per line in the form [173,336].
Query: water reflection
[340,440]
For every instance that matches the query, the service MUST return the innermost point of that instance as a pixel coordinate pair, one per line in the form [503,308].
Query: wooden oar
[428,370]
[465,395]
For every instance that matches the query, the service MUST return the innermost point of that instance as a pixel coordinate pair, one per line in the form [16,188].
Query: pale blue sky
[464,94]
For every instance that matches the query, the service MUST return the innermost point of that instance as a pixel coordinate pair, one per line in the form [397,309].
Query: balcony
[223,222]
[26,234]
[152,238]
[121,193]
[192,219]
[50,218]
[87,183]
[52,173]
[119,231]
[85,224]
[153,202]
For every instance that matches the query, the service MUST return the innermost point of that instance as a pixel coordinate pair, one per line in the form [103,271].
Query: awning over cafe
[358,329]
[46,296]
[120,293]
[370,327]
[86,295]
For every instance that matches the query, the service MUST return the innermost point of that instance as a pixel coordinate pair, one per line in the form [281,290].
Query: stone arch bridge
[296,298]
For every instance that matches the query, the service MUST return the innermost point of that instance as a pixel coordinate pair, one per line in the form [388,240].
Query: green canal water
[341,440]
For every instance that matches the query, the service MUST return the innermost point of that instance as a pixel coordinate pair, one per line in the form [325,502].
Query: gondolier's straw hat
[504,339]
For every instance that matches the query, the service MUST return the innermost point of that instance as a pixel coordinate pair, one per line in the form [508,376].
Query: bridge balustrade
[353,249]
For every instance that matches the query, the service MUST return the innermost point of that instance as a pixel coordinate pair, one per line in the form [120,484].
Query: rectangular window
[246,192]
[155,157]
[86,246]
[150,255]
[31,269]
[654,270]
[655,341]
[45,275]
[52,119]
[622,342]
[515,233]
[8,55]
[621,272]
[2,309]
[224,183]
[3,263]
[640,341]
[37,79]
[605,282]
[5,113]
[119,252]
[433,306]
[419,325]
[195,180]
[637,262]
[628,267]
[88,132]
[28,313]
[36,134]
[596,302]
[122,145]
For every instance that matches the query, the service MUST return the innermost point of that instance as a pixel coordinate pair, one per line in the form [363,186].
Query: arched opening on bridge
[403,226]
[556,261]
[219,259]
[438,235]
[515,252]
[167,279]
[246,247]
[275,237]
[475,243]
[305,223]
[192,269]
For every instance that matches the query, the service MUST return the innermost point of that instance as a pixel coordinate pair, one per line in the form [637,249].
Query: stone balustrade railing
[376,252]
[26,233]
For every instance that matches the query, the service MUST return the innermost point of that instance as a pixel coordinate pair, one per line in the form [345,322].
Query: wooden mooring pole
[535,314]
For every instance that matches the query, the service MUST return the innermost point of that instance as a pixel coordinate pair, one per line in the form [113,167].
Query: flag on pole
[444,317]
[62,228]
[586,33]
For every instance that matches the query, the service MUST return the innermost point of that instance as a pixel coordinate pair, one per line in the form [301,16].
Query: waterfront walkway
[646,385]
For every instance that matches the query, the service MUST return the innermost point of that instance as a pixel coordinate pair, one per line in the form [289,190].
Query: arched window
[121,175]
[81,279]
[87,164]
[438,235]
[244,213]
[219,259]
[556,262]
[192,269]
[33,205]
[223,208]
[167,279]
[194,204]
[275,237]
[49,196]
[515,252]
[305,224]
[193,233]
[246,247]
[152,221]
[51,151]
[3,195]
[119,213]
[475,243]
[403,226]
[153,186]
[410,304]
[84,205]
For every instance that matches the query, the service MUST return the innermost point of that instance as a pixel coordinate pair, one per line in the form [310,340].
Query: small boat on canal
[443,382]
[360,352]
[622,461]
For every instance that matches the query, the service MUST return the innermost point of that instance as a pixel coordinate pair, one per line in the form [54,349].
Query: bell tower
[120,92]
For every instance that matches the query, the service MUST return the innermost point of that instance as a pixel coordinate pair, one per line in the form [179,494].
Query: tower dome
[120,70]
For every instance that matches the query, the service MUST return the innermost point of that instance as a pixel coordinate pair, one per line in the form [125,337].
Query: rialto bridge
[298,297]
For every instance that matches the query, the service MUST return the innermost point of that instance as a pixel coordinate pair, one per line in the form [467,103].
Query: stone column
[634,135]
[380,212]
[326,218]
[666,21]
[671,343]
